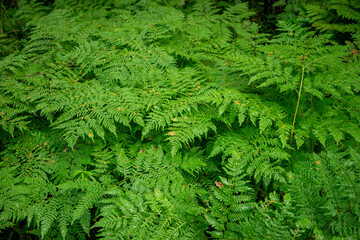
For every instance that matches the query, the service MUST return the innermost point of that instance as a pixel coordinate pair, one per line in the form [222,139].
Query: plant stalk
[297,105]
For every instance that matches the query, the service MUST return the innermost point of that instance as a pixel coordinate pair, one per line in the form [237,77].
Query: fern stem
[297,105]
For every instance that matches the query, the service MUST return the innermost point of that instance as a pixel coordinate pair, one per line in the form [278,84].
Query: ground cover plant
[179,120]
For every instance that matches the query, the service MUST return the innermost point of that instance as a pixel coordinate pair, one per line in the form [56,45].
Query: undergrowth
[177,120]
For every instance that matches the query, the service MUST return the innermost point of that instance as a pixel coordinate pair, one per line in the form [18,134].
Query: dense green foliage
[179,120]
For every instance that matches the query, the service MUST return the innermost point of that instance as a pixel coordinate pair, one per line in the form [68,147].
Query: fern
[179,120]
[330,193]
[327,20]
